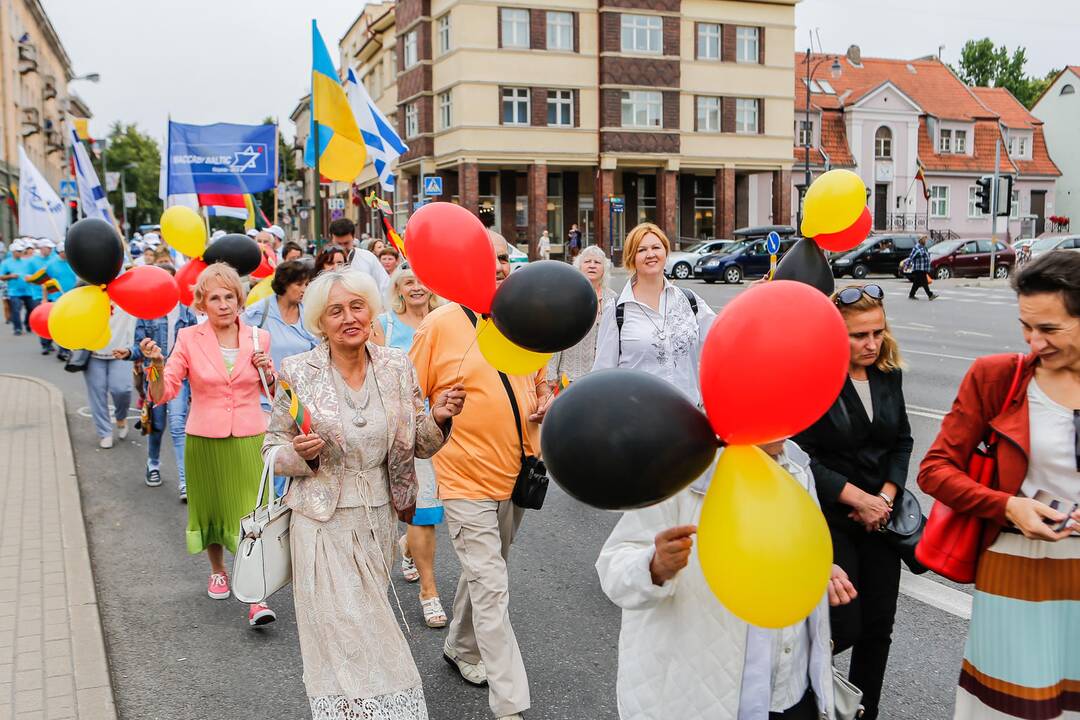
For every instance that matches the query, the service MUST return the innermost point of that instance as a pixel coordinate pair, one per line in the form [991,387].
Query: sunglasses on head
[852,295]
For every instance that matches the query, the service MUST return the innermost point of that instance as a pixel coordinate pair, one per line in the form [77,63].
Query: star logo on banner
[245,159]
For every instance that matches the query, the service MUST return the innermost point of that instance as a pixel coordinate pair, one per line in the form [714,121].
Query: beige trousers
[481,532]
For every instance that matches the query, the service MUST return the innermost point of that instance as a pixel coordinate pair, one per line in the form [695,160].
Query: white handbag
[263,564]
[847,699]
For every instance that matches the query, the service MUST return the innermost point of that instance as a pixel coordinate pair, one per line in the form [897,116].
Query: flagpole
[277,167]
[318,178]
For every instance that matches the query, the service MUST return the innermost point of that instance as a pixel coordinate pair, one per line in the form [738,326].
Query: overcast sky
[239,61]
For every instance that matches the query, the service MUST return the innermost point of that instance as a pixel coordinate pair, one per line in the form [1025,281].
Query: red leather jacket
[977,410]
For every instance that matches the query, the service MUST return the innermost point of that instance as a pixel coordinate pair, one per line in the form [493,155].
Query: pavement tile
[28,700]
[59,686]
[28,680]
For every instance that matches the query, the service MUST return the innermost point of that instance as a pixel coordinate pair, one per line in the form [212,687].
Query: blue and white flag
[42,214]
[221,159]
[383,144]
[92,196]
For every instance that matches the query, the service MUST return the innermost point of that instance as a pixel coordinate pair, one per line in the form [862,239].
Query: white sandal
[408,566]
[434,615]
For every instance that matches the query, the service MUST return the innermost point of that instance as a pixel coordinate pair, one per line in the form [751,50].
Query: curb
[93,683]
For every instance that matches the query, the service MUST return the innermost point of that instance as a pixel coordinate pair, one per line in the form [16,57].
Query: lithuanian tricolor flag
[297,411]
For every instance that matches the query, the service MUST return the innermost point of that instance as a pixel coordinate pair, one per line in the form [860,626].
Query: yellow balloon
[260,291]
[763,544]
[101,341]
[184,230]
[80,317]
[834,201]
[504,355]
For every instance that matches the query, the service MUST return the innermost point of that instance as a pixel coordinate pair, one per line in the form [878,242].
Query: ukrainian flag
[340,155]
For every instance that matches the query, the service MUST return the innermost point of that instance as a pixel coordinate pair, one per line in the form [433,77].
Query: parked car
[877,254]
[1057,241]
[746,258]
[958,258]
[681,264]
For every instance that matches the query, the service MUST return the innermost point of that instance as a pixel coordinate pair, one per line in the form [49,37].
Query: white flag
[383,144]
[190,200]
[91,197]
[41,212]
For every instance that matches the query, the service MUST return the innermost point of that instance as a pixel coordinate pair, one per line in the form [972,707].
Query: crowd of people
[390,375]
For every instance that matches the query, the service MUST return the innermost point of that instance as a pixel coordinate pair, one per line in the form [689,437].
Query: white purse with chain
[263,563]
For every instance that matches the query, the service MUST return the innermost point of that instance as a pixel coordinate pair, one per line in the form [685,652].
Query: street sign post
[432,186]
[335,203]
[615,205]
[772,245]
[68,190]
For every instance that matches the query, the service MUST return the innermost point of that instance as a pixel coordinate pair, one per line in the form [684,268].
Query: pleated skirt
[1022,658]
[222,486]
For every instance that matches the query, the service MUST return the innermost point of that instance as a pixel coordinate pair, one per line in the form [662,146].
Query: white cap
[17,246]
[252,232]
[60,248]
[45,243]
[277,232]
[137,235]
[217,234]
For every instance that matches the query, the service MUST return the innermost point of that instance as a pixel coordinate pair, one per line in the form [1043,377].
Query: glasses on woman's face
[852,295]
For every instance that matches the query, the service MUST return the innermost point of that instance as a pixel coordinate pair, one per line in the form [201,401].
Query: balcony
[53,141]
[904,222]
[31,122]
[28,59]
[48,92]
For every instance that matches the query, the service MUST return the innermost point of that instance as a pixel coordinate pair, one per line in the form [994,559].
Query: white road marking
[918,324]
[937,354]
[898,326]
[928,410]
[943,597]
[920,413]
[972,332]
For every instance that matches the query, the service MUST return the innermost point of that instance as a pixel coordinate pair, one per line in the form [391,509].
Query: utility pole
[994,207]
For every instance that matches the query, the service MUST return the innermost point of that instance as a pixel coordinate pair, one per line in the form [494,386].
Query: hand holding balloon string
[672,553]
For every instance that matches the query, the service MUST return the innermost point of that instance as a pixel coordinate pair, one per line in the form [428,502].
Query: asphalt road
[174,653]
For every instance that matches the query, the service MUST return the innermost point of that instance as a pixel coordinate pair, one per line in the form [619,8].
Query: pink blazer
[221,405]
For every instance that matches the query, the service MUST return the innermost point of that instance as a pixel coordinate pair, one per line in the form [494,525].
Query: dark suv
[877,254]
[746,257]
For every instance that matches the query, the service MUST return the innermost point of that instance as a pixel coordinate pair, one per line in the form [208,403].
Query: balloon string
[476,337]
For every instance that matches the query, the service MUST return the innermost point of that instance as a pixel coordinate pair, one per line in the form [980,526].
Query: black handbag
[905,529]
[531,485]
[78,361]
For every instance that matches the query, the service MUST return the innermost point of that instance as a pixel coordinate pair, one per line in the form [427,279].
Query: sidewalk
[52,653]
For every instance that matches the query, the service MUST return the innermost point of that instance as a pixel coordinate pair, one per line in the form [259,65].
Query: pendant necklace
[358,418]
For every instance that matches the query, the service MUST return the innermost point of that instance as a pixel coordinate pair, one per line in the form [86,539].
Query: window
[642,108]
[883,143]
[708,114]
[939,201]
[821,87]
[945,141]
[515,106]
[806,132]
[642,34]
[973,202]
[746,44]
[1014,211]
[412,121]
[560,31]
[708,41]
[442,29]
[1067,90]
[560,108]
[411,50]
[959,141]
[746,116]
[446,110]
[515,28]
[1021,146]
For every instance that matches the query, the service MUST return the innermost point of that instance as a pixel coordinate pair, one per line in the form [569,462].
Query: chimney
[854,55]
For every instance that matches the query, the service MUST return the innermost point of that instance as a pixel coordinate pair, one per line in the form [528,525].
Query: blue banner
[221,159]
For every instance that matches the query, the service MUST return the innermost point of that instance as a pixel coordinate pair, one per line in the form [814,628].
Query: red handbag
[950,542]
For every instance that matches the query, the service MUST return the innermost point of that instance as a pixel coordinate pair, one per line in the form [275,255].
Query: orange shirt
[482,458]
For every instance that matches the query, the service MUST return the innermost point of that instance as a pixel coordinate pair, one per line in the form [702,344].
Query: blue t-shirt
[398,333]
[17,286]
[60,270]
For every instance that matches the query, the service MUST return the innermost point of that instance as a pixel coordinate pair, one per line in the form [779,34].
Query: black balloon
[94,251]
[806,263]
[239,251]
[622,439]
[545,307]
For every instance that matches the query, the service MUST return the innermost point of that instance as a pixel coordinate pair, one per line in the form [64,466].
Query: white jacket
[681,653]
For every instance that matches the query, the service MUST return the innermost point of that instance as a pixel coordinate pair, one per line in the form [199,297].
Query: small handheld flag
[297,411]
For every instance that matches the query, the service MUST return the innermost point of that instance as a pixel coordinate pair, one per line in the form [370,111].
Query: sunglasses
[852,295]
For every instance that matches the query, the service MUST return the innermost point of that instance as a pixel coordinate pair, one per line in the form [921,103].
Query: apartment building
[1059,109]
[602,113]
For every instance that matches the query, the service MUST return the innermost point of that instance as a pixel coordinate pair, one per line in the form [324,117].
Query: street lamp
[91,77]
[835,70]
[123,195]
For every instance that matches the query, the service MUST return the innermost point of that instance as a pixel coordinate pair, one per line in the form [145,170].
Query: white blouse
[1052,464]
[666,343]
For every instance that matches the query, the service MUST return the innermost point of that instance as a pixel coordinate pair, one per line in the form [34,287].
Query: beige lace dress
[357,664]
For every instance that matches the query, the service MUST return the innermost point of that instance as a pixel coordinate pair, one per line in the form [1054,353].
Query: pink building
[886,119]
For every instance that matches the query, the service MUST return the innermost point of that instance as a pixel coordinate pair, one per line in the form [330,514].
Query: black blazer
[846,447]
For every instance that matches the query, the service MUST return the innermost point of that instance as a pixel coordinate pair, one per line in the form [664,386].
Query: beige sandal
[408,566]
[434,615]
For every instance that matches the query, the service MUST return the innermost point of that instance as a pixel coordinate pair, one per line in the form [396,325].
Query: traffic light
[982,193]
[1005,188]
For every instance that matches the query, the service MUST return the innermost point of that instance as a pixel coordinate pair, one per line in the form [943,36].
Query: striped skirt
[222,485]
[1022,658]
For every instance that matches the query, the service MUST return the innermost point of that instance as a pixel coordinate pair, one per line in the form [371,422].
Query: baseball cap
[276,231]
[252,232]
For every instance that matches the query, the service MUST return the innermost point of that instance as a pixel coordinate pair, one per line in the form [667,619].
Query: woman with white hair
[567,366]
[353,476]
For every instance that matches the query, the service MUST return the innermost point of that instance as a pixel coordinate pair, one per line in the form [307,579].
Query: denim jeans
[177,415]
[21,307]
[104,378]
[158,418]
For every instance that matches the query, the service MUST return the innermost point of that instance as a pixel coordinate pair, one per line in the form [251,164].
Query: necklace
[358,418]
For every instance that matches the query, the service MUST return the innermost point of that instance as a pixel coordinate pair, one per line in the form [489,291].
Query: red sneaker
[260,614]
[218,587]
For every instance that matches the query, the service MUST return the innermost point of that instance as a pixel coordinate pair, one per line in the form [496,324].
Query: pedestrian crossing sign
[432,185]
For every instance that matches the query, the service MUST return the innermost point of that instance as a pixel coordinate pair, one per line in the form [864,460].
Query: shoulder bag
[531,485]
[262,564]
[951,540]
[847,699]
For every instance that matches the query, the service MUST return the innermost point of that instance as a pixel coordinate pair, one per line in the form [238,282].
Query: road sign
[130,200]
[68,189]
[432,185]
[335,203]
[772,242]
[112,181]
[304,214]
[617,204]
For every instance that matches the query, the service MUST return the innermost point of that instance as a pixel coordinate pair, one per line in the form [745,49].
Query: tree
[983,65]
[286,171]
[136,155]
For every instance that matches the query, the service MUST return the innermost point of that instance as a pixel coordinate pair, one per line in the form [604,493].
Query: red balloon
[39,320]
[146,292]
[186,277]
[266,267]
[450,251]
[774,361]
[849,237]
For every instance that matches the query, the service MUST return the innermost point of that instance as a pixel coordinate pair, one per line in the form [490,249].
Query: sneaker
[260,614]
[933,296]
[63,356]
[183,494]
[46,351]
[472,674]
[153,477]
[106,442]
[218,587]
[18,333]
[122,430]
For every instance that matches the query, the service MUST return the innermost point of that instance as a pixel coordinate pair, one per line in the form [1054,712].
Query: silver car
[680,264]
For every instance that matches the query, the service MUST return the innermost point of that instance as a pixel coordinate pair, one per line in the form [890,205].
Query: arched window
[1067,90]
[883,143]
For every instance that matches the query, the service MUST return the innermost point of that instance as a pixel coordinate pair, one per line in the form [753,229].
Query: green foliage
[137,156]
[984,65]
[286,171]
